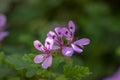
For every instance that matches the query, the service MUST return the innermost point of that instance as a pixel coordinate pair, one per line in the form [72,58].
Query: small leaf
[5,71]
[31,72]
[17,62]
[14,78]
[61,77]
[75,72]
[1,57]
[57,60]
[29,58]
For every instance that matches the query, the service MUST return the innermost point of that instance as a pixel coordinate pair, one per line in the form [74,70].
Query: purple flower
[3,33]
[115,76]
[68,49]
[58,39]
[73,46]
[2,22]
[46,58]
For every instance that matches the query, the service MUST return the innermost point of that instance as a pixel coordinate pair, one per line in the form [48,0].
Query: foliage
[27,69]
[28,20]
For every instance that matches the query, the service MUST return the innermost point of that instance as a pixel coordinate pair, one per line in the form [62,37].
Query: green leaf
[1,57]
[57,60]
[29,59]
[17,62]
[75,72]
[14,78]
[31,72]
[4,71]
[61,77]
[76,60]
[45,74]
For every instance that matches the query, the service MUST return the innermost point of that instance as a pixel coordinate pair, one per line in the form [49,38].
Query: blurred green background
[99,20]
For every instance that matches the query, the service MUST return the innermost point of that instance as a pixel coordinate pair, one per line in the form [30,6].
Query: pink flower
[73,46]
[58,39]
[46,58]
[3,33]
[68,49]
[2,21]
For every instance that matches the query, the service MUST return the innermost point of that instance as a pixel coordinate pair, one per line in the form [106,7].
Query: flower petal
[38,45]
[67,51]
[77,49]
[55,47]
[52,35]
[58,30]
[82,42]
[49,43]
[3,35]
[47,63]
[66,32]
[39,58]
[71,26]
[2,21]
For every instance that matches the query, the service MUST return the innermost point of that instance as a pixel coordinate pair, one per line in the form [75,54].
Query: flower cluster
[56,41]
[3,33]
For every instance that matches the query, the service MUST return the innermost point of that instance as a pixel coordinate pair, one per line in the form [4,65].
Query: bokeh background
[99,20]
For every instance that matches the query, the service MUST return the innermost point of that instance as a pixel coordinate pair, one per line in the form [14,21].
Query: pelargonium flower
[115,76]
[46,58]
[58,39]
[3,33]
[73,46]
